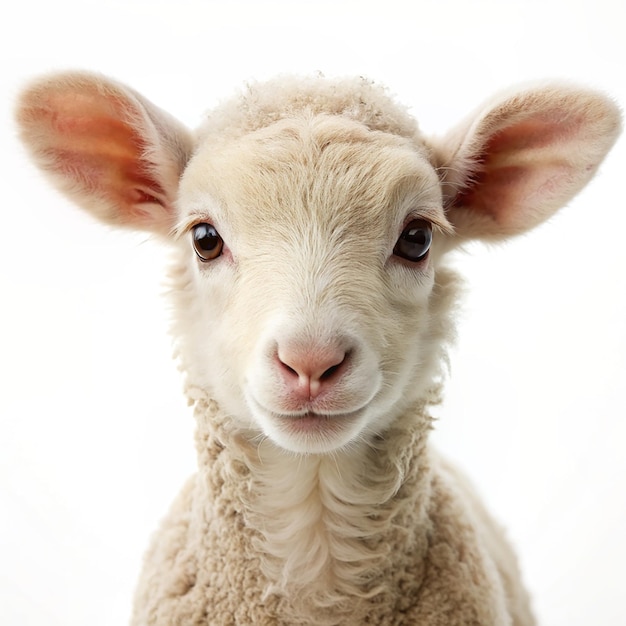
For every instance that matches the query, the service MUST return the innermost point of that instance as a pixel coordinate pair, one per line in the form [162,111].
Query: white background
[95,438]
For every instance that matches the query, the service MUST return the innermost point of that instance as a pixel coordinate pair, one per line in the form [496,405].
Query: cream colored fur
[312,348]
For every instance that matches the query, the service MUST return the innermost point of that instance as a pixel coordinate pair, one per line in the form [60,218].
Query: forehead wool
[262,104]
[312,167]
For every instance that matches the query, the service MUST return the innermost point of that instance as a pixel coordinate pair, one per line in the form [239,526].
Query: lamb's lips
[307,419]
[312,421]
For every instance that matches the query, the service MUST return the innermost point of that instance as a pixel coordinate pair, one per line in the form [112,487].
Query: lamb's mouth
[308,430]
[316,422]
[304,415]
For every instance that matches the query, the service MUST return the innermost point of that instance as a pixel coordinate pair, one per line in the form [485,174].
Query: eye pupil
[207,242]
[416,236]
[414,242]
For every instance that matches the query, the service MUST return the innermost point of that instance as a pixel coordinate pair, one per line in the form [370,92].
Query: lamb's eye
[207,242]
[414,242]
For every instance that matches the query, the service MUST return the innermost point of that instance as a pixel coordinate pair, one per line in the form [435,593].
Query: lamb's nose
[307,371]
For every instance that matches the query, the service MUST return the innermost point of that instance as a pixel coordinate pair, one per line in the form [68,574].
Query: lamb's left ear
[112,151]
[520,159]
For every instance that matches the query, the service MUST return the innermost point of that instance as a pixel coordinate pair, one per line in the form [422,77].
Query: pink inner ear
[513,197]
[91,143]
[521,169]
[539,131]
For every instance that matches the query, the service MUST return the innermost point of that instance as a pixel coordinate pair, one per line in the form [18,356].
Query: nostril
[330,371]
[288,369]
[333,369]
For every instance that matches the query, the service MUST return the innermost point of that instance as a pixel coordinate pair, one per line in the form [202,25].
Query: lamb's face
[309,309]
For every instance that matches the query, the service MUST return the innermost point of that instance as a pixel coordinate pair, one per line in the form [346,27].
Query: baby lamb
[309,221]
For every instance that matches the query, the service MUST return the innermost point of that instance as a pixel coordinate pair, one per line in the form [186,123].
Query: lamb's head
[313,272]
[309,221]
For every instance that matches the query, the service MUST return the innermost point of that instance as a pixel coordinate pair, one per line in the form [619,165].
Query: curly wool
[405,549]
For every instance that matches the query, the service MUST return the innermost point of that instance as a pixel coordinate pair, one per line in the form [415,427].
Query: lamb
[310,223]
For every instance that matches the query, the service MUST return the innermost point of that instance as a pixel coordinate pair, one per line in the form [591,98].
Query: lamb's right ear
[108,148]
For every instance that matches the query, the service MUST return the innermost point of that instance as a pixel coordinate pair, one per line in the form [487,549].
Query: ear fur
[518,160]
[109,149]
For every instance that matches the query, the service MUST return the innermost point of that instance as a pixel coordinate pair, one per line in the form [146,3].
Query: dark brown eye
[207,242]
[414,242]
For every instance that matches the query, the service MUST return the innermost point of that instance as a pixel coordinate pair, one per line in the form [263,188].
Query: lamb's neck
[323,523]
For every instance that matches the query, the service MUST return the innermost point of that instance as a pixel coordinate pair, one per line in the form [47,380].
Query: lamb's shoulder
[199,569]
[471,574]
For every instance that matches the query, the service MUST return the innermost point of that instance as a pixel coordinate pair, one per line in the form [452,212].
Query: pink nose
[307,372]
